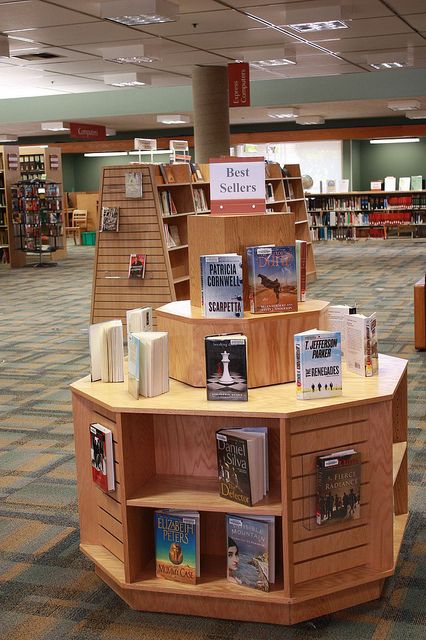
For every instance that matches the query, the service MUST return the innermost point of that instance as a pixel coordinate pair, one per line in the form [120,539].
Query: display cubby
[165,457]
[361,214]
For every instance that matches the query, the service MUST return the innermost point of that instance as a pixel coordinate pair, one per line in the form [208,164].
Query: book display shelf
[366,214]
[157,225]
[165,457]
[9,175]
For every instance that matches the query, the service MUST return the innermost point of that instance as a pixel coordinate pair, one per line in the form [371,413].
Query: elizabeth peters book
[177,545]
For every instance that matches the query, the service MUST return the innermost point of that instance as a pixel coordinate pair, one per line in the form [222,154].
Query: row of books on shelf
[172,235]
[405,183]
[366,202]
[276,279]
[345,233]
[347,219]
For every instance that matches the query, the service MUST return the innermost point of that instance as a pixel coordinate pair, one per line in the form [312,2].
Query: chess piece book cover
[226,367]
[318,364]
[240,463]
[272,279]
[102,457]
[338,482]
[137,262]
[362,355]
[177,545]
[109,218]
[251,551]
[222,286]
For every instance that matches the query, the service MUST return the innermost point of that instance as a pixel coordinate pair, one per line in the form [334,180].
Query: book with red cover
[102,457]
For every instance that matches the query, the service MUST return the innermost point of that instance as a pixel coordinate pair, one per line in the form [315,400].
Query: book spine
[319,481]
[202,272]
[298,366]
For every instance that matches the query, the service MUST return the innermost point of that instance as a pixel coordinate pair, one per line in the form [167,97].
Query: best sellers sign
[237,186]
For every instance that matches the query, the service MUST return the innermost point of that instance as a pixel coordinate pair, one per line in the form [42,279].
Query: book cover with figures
[137,262]
[338,481]
[222,286]
[318,364]
[272,278]
[102,457]
[177,545]
[226,367]
[240,466]
[362,355]
[248,551]
[109,218]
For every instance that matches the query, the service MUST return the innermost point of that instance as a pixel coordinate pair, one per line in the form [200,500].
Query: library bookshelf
[9,175]
[165,457]
[366,214]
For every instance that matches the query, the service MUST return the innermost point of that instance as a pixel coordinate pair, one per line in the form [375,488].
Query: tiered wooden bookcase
[9,175]
[165,457]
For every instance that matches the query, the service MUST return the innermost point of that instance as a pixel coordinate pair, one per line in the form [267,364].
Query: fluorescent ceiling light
[273,62]
[310,120]
[4,46]
[54,126]
[404,105]
[153,152]
[307,27]
[394,140]
[284,114]
[416,115]
[132,54]
[137,12]
[126,79]
[173,119]
[105,154]
[388,65]
[8,137]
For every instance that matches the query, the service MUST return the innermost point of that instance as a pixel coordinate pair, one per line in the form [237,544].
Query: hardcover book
[177,545]
[301,258]
[139,319]
[226,367]
[362,355]
[272,279]
[109,218]
[106,351]
[222,286]
[338,481]
[102,457]
[336,315]
[318,364]
[240,463]
[137,262]
[251,551]
[148,363]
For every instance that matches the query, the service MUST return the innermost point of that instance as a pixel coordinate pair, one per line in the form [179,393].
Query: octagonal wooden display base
[270,351]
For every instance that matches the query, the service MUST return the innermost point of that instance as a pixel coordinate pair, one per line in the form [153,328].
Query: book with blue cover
[222,286]
[272,278]
[177,545]
[318,364]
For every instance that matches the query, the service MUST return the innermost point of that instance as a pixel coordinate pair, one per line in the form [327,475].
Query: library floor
[48,590]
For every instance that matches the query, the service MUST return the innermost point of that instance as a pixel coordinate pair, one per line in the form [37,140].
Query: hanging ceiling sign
[237,186]
[87,131]
[239,84]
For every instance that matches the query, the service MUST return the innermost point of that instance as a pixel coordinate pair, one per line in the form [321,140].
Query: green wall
[381,160]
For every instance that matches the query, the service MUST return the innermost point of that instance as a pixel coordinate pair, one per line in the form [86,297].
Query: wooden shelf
[182,492]
[399,449]
[179,246]
[399,525]
[173,216]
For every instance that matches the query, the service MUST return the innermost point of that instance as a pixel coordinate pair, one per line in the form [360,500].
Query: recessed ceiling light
[305,27]
[273,62]
[126,79]
[416,115]
[136,12]
[284,114]
[388,65]
[54,126]
[404,105]
[310,120]
[173,119]
[394,140]
[132,54]
[8,137]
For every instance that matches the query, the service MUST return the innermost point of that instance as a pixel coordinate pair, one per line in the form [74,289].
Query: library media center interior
[120,124]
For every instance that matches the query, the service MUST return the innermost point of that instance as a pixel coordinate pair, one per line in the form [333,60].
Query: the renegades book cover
[102,457]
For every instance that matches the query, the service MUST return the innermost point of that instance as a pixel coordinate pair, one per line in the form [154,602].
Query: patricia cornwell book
[226,367]
[318,364]
[272,278]
[338,481]
[222,286]
[177,536]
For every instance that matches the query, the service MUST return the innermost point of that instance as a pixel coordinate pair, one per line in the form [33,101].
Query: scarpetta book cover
[222,286]
[176,546]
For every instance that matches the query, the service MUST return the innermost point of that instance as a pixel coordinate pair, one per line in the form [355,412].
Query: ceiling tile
[206,22]
[37,14]
[102,33]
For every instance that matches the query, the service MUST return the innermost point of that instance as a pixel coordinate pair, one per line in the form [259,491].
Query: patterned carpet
[48,590]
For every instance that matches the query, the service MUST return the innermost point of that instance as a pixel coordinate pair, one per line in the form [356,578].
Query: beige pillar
[211,112]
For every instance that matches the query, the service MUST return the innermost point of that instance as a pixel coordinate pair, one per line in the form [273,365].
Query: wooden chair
[78,224]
